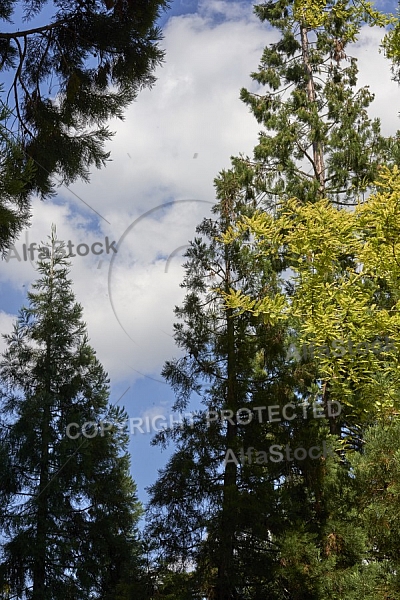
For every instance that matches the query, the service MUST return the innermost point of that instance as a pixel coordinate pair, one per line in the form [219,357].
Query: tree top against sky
[72,66]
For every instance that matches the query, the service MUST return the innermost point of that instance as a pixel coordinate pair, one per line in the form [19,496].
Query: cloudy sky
[175,140]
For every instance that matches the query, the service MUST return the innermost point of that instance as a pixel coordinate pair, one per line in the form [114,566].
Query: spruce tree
[69,509]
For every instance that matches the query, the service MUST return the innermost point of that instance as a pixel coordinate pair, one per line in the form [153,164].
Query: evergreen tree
[69,509]
[239,521]
[16,174]
[202,510]
[317,139]
[377,473]
[73,66]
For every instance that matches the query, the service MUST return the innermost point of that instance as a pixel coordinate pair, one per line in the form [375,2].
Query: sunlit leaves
[345,271]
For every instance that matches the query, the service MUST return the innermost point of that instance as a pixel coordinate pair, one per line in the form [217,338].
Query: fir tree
[69,509]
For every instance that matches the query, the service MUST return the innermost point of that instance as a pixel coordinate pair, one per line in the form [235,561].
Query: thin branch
[18,34]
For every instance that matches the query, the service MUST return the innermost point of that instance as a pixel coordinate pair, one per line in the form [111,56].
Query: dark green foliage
[69,509]
[16,175]
[202,512]
[73,74]
[69,77]
[377,472]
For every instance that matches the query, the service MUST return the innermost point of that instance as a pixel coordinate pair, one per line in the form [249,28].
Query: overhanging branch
[18,34]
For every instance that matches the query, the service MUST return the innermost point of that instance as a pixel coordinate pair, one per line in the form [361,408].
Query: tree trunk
[225,588]
[318,151]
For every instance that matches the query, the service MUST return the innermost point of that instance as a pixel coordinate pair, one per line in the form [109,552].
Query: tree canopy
[70,67]
[298,271]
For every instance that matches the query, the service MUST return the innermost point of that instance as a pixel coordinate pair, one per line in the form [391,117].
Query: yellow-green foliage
[340,261]
[317,13]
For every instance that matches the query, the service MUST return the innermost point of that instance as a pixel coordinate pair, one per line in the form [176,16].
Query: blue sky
[159,185]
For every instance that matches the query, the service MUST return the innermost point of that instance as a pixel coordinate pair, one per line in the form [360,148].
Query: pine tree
[69,509]
[317,139]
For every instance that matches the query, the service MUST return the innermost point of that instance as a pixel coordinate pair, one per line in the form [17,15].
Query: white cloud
[375,72]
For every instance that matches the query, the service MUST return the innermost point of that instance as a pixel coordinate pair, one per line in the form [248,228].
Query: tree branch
[18,34]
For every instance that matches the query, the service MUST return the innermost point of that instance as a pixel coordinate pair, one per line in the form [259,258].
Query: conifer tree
[377,473]
[317,139]
[69,509]
[254,529]
[16,175]
[201,509]
[73,66]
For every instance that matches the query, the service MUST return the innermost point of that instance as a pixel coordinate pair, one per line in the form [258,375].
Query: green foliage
[16,174]
[344,287]
[378,479]
[317,139]
[391,45]
[296,272]
[206,514]
[69,77]
[69,509]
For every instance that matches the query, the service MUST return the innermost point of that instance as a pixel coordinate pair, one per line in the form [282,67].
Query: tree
[286,530]
[250,529]
[344,295]
[69,76]
[201,510]
[317,139]
[16,175]
[342,307]
[69,509]
[378,481]
[246,528]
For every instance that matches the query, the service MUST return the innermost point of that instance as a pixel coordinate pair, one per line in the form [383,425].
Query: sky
[143,208]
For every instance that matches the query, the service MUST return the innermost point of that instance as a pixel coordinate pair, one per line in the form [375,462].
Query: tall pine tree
[317,139]
[69,509]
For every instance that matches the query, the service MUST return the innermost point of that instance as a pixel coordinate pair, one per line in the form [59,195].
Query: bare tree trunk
[318,151]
